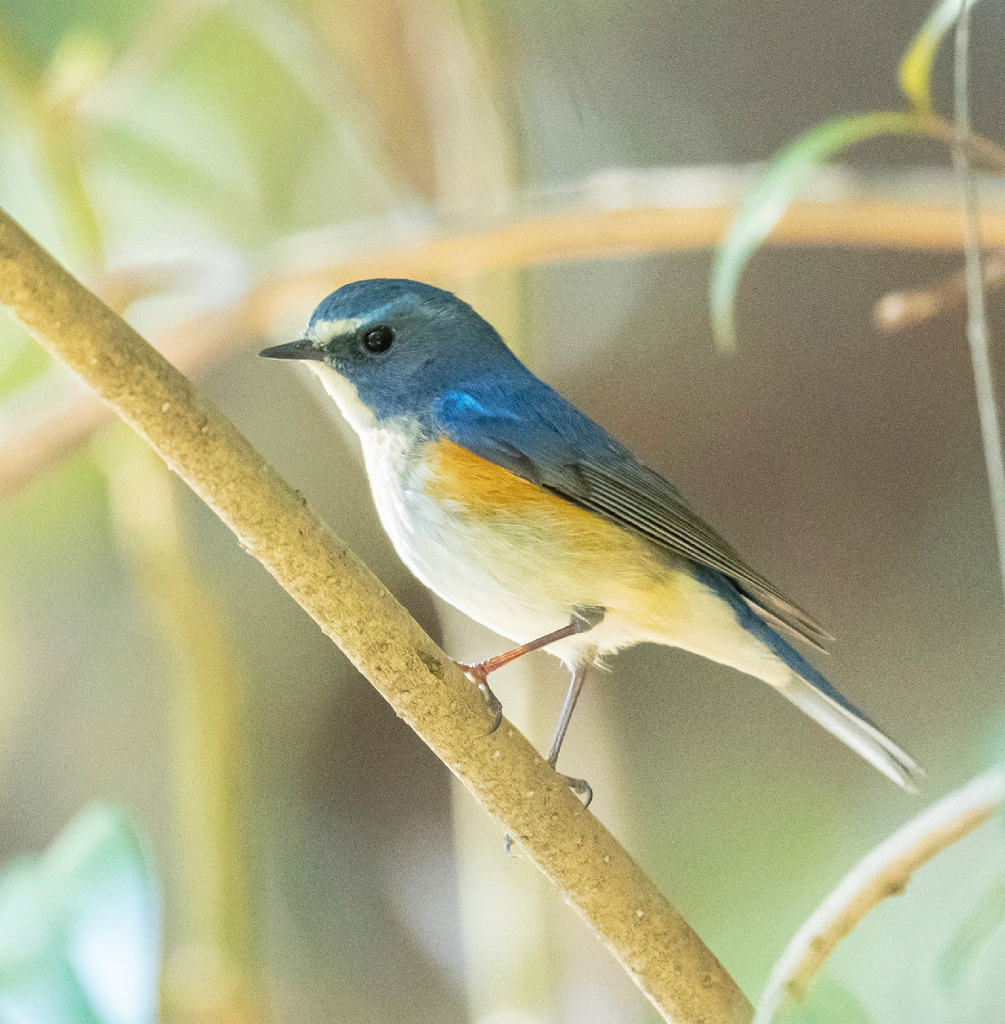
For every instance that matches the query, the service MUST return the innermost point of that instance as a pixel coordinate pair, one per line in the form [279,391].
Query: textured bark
[273,522]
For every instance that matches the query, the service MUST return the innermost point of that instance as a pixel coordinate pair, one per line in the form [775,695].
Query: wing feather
[534,433]
[638,498]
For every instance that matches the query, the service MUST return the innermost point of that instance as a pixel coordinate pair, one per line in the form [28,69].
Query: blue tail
[813,694]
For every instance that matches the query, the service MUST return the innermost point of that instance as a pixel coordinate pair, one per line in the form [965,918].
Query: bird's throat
[356,413]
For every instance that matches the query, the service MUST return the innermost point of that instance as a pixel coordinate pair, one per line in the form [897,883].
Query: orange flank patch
[487,491]
[519,529]
[455,474]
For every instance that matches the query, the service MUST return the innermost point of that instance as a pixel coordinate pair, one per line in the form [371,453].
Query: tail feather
[810,691]
[856,730]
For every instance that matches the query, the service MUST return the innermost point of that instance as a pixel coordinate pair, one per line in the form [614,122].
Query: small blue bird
[526,515]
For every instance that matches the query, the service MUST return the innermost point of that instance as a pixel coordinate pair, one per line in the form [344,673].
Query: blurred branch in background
[391,100]
[212,974]
[898,311]
[884,871]
[473,146]
[661,953]
[615,214]
[13,699]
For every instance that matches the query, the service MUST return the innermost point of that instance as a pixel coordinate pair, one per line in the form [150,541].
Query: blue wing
[526,427]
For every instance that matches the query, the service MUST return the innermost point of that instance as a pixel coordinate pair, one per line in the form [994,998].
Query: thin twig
[977,328]
[661,953]
[884,871]
[976,147]
[897,311]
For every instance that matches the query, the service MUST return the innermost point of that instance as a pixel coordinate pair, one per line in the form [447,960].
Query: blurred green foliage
[80,926]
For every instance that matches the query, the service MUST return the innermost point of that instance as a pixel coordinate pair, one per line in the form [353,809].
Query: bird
[518,509]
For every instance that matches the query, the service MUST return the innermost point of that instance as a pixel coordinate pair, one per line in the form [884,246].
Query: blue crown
[363,297]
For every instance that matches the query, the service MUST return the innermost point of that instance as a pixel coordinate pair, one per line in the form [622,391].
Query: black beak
[302,348]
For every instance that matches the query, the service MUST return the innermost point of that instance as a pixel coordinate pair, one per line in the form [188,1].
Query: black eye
[378,339]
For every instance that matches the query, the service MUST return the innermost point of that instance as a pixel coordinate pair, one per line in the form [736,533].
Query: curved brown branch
[885,871]
[897,311]
[271,521]
[623,214]
[981,150]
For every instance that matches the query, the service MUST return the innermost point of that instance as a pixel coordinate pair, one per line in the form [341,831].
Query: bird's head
[387,348]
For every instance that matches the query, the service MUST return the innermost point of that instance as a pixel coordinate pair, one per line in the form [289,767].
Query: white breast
[522,578]
[407,515]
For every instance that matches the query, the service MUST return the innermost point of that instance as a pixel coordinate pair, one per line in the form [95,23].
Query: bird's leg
[583,619]
[580,786]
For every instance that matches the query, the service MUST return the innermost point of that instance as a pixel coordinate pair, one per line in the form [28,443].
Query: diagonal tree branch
[665,958]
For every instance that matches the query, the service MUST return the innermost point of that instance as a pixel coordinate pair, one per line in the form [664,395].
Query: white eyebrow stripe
[322,331]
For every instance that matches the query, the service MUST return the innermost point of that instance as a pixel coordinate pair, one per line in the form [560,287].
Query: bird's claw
[479,678]
[495,706]
[580,787]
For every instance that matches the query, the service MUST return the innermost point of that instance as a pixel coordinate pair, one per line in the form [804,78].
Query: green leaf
[80,927]
[916,65]
[763,208]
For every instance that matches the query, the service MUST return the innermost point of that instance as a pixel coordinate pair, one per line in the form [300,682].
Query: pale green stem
[977,328]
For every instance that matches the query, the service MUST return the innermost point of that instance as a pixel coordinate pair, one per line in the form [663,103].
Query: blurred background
[213,169]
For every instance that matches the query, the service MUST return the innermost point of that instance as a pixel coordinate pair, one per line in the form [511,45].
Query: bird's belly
[513,556]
